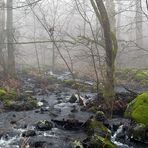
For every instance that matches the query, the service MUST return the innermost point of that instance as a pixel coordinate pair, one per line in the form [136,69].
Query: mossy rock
[2,93]
[76,144]
[93,126]
[7,97]
[69,82]
[76,85]
[93,109]
[44,125]
[33,103]
[138,109]
[139,132]
[8,103]
[52,79]
[97,141]
[141,75]
[28,103]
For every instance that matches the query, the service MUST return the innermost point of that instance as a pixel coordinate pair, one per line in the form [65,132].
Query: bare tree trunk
[109,93]
[10,47]
[119,19]
[36,50]
[139,19]
[110,7]
[2,36]
[53,55]
[84,8]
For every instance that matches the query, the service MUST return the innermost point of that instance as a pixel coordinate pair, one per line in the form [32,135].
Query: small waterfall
[8,143]
[113,138]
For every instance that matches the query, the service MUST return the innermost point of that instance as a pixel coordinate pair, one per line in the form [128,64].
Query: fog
[32,20]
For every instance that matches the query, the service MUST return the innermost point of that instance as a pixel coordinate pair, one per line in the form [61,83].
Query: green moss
[7,103]
[100,142]
[76,85]
[2,93]
[141,75]
[138,109]
[80,86]
[76,144]
[51,78]
[93,109]
[32,101]
[94,126]
[68,82]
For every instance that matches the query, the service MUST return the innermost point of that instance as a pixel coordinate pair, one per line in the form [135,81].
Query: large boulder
[137,110]
[96,127]
[97,141]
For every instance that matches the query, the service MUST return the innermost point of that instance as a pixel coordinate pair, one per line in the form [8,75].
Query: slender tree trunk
[119,19]
[2,36]
[139,26]
[10,47]
[53,55]
[36,50]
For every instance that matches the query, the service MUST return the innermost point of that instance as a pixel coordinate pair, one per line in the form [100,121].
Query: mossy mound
[97,141]
[76,144]
[138,109]
[6,97]
[93,126]
[2,93]
[77,85]
[142,75]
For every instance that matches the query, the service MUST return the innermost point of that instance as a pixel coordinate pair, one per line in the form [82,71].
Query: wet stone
[29,133]
[44,125]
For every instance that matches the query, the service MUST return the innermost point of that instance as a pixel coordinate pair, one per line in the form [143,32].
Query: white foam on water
[40,104]
[4,143]
[113,138]
[10,141]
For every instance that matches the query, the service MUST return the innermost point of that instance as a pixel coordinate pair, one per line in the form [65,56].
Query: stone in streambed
[29,133]
[44,125]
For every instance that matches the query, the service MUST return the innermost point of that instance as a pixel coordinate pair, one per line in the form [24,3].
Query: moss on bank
[100,142]
[138,109]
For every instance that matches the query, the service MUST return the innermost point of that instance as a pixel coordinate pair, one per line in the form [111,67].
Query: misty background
[32,23]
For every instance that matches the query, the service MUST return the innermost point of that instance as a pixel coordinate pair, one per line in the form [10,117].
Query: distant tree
[139,22]
[2,36]
[10,47]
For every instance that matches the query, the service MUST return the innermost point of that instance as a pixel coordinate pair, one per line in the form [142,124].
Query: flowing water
[11,134]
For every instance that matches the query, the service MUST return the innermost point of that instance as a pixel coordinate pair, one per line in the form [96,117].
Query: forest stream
[20,128]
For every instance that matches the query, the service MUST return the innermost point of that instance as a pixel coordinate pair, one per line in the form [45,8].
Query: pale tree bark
[10,47]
